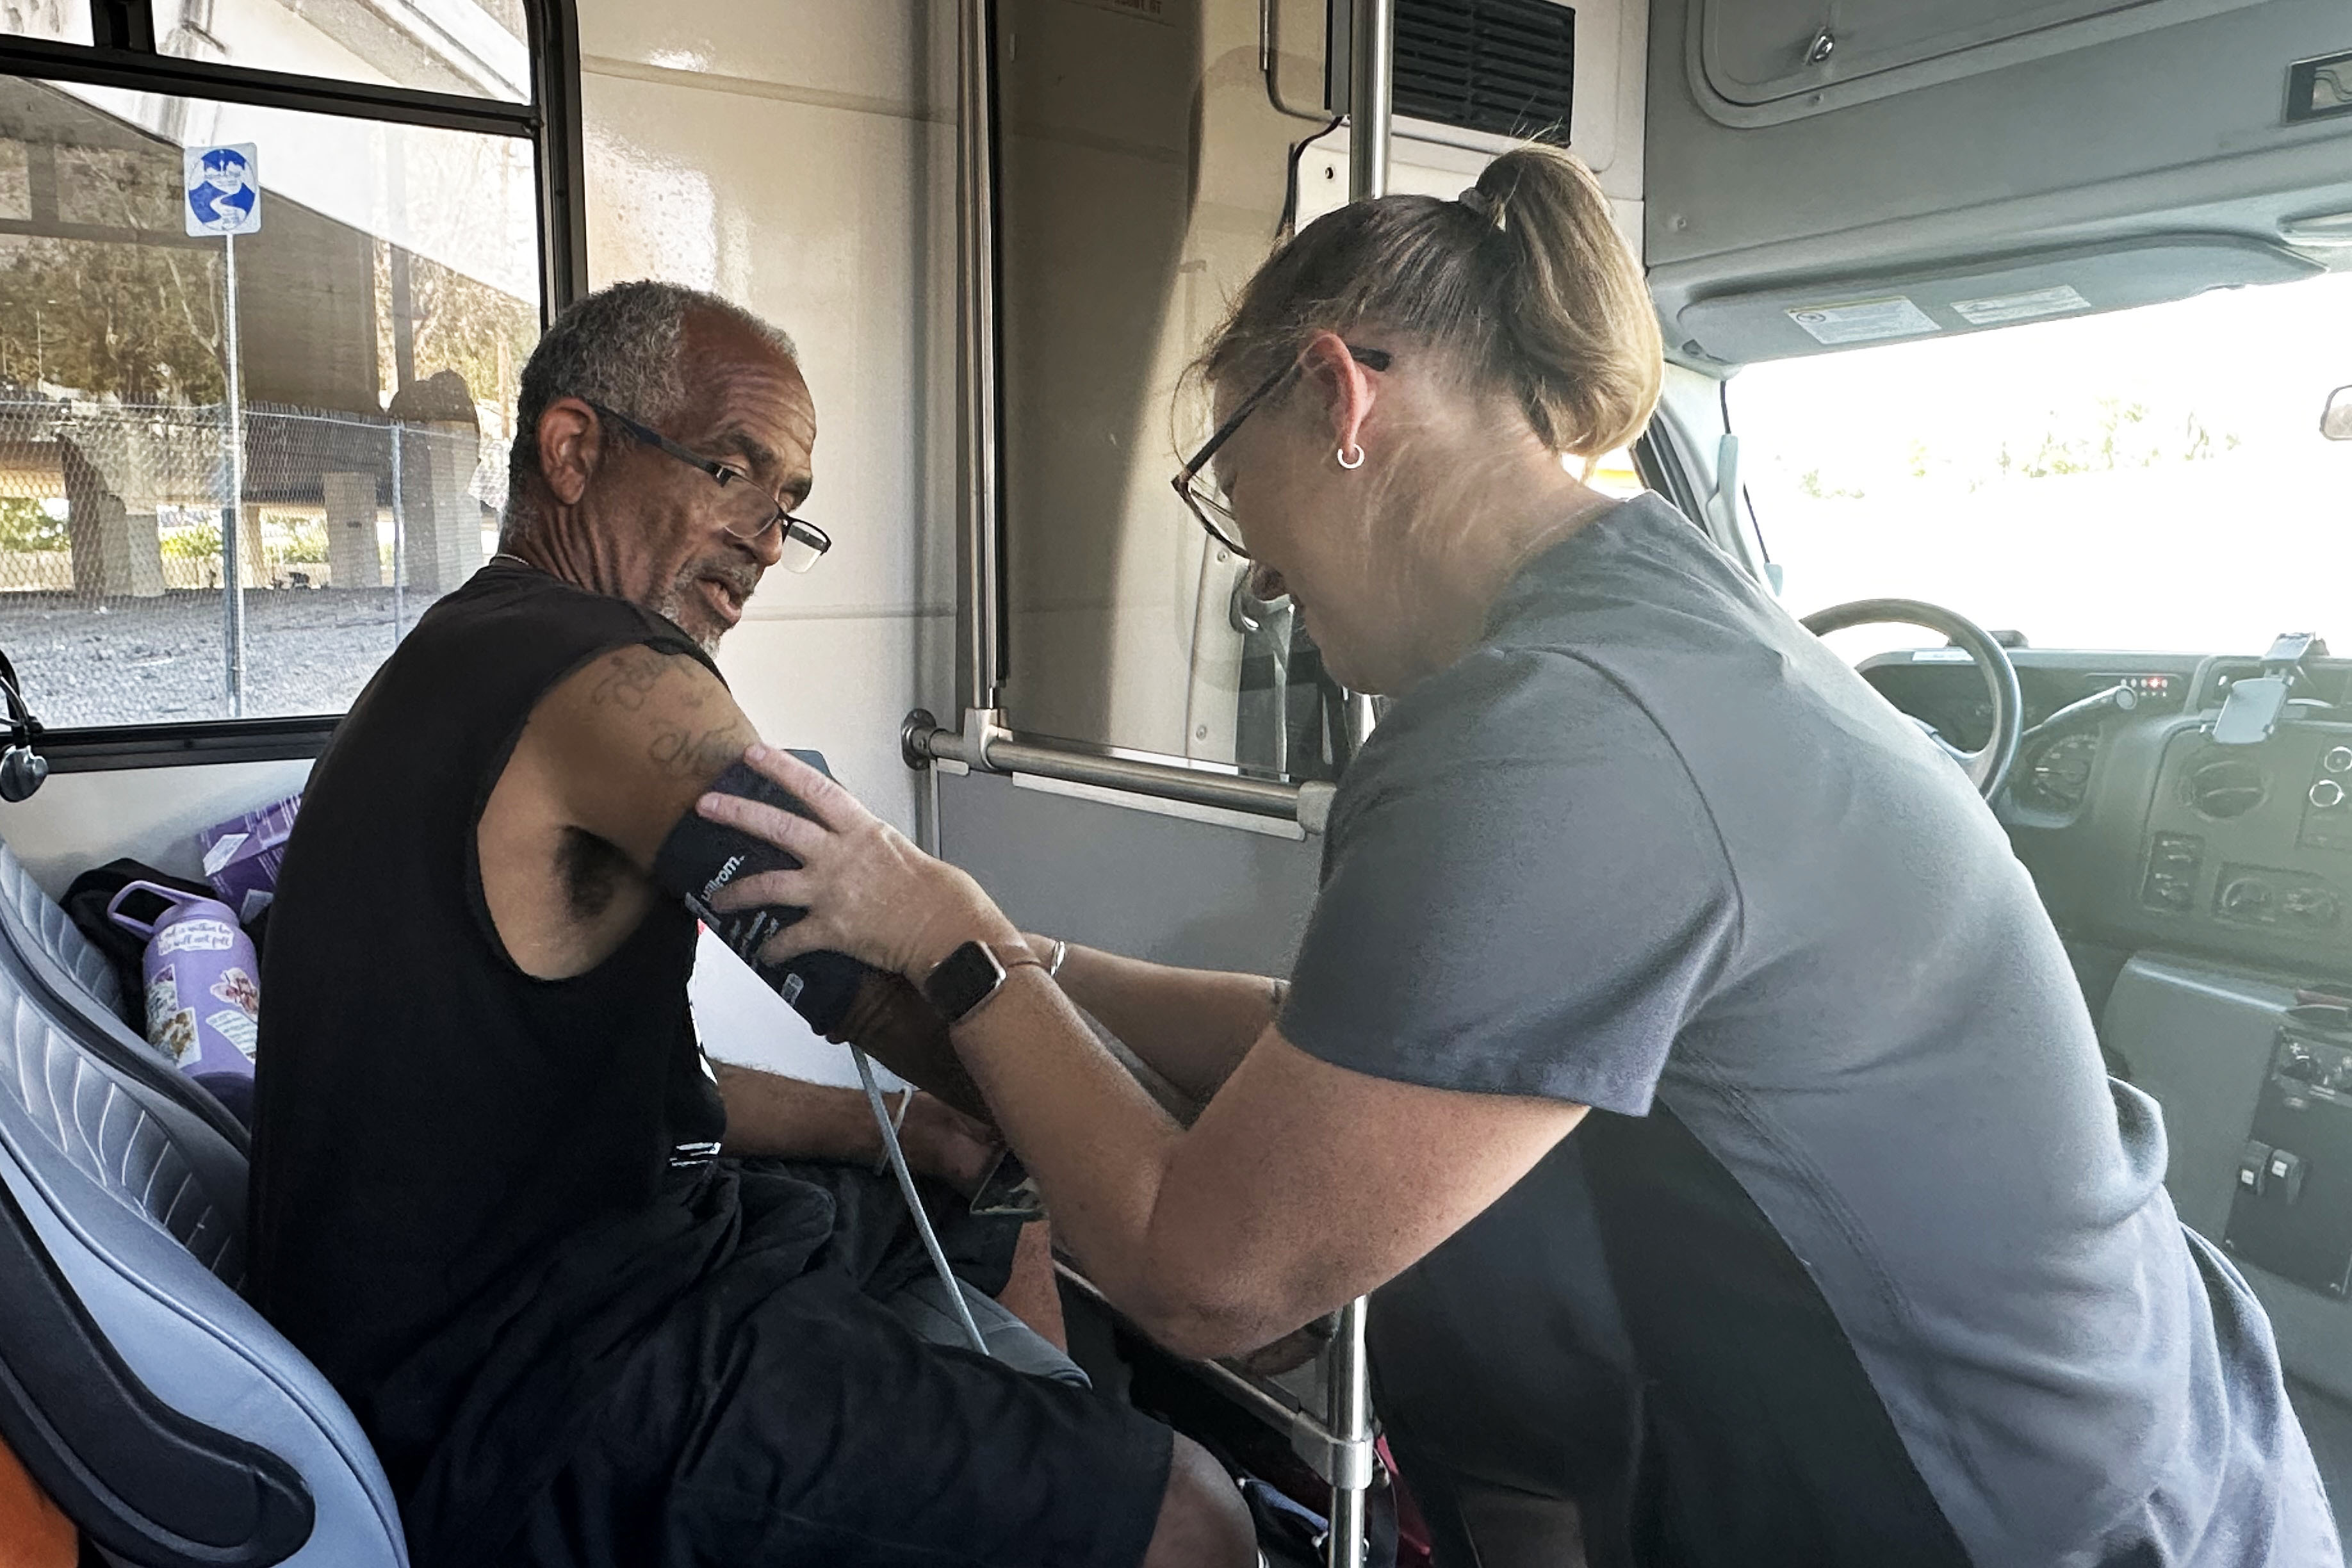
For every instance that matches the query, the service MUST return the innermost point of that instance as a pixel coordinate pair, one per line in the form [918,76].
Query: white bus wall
[80,820]
[1146,174]
[798,157]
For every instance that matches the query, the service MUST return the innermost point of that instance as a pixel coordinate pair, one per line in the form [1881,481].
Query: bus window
[2152,479]
[475,48]
[236,466]
[59,21]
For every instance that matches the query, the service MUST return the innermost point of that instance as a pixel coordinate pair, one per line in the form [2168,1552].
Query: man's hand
[786,1118]
[946,1143]
[889,1021]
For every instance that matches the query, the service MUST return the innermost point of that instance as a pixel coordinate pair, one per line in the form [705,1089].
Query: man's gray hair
[622,347]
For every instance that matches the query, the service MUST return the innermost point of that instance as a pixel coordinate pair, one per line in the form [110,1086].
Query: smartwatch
[968,977]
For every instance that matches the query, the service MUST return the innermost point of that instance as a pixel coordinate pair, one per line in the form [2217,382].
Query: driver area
[2198,882]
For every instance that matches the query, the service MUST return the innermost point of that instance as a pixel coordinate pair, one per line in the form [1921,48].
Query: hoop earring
[1342,456]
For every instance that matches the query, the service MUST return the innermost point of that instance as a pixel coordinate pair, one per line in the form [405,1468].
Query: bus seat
[164,1415]
[44,927]
[75,984]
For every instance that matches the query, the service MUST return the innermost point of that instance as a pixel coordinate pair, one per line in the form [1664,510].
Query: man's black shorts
[815,1428]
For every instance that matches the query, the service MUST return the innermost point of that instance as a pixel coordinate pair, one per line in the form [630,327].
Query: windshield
[2152,479]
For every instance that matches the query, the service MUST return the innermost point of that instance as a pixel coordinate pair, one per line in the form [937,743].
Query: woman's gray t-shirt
[1650,845]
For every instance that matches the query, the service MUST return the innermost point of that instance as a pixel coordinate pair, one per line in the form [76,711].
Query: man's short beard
[673,602]
[675,597]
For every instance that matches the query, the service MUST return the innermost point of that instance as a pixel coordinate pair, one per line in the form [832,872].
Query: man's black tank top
[433,1125]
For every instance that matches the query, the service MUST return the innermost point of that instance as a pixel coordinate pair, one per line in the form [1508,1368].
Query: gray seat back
[139,1204]
[76,984]
[47,929]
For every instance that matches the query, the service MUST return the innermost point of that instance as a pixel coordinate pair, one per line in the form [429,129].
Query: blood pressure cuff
[700,857]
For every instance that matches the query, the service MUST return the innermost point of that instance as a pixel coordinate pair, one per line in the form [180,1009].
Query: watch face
[966,980]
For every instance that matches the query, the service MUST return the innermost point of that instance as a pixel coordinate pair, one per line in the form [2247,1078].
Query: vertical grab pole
[1349,1408]
[233,518]
[399,541]
[1371,70]
[1372,29]
[980,554]
[1370,67]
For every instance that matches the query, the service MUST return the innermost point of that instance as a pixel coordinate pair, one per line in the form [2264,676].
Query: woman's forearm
[1192,1027]
[1100,1149]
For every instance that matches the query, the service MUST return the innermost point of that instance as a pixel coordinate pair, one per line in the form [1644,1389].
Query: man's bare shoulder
[628,740]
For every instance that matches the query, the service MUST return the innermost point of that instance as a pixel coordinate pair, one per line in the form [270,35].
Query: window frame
[124,55]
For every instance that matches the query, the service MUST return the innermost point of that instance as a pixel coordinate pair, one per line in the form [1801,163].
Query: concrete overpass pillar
[352,558]
[116,551]
[440,443]
[442,519]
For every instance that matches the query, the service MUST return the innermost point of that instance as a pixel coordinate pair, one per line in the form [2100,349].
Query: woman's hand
[869,892]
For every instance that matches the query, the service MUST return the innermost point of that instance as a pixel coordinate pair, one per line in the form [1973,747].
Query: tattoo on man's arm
[630,678]
[704,755]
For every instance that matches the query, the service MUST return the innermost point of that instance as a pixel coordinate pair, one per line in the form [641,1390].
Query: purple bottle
[203,995]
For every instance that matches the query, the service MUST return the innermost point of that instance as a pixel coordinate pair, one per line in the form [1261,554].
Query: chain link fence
[113,566]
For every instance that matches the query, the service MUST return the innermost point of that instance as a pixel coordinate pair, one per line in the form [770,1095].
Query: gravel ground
[129,661]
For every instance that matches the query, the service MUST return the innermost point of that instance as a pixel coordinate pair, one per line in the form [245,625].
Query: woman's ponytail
[1524,282]
[1579,334]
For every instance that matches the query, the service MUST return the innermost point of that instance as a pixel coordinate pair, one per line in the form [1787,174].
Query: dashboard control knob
[2327,793]
[2337,760]
[2313,906]
[2246,896]
[2296,1062]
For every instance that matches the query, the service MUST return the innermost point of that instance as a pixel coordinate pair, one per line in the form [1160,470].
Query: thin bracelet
[897,1120]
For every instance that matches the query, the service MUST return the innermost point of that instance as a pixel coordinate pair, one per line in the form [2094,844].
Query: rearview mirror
[2335,423]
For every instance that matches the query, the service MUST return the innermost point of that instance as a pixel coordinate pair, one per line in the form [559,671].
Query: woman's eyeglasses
[1196,483]
[745,510]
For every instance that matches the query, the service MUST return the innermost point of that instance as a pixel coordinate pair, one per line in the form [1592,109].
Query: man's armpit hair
[594,873]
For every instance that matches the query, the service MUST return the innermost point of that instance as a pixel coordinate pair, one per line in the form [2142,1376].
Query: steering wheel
[1987,769]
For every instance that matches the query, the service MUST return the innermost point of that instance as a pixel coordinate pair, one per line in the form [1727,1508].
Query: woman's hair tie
[1484,205]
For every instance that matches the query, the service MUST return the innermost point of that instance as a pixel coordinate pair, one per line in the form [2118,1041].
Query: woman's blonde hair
[1524,282]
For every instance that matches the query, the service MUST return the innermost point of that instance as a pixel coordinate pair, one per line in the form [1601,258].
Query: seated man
[489,1196]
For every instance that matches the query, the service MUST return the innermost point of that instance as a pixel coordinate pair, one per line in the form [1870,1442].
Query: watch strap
[967,978]
[1012,955]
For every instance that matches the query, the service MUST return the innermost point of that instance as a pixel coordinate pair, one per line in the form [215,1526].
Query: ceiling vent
[1506,67]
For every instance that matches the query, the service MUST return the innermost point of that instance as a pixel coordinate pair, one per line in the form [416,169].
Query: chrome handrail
[985,745]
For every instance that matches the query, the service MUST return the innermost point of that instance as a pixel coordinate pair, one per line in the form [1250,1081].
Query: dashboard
[2141,830]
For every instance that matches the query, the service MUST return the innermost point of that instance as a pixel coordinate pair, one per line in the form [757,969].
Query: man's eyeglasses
[745,510]
[1196,482]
